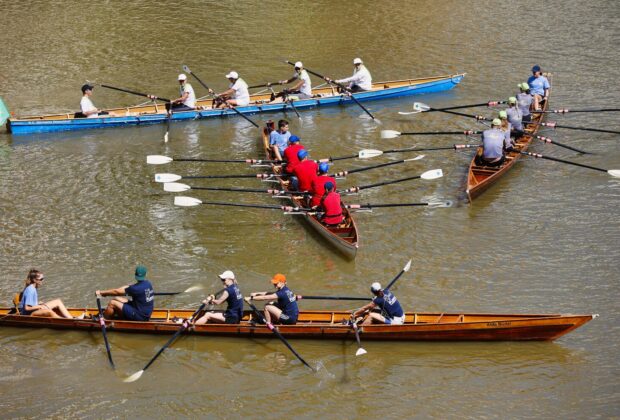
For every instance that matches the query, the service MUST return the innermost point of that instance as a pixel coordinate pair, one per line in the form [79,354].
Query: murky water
[83,208]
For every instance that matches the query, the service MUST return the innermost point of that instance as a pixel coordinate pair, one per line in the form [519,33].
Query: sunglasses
[41,279]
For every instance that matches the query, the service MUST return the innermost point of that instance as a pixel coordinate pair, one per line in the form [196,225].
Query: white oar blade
[158,159]
[186,201]
[389,134]
[438,204]
[408,266]
[134,377]
[186,69]
[408,113]
[432,174]
[369,153]
[418,157]
[193,289]
[360,352]
[166,137]
[421,107]
[176,187]
[614,172]
[167,177]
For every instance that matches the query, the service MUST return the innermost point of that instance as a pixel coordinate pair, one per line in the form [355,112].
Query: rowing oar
[566,111]
[268,84]
[548,140]
[300,297]
[370,153]
[433,204]
[337,84]
[178,187]
[428,175]
[187,70]
[191,202]
[418,110]
[105,336]
[612,172]
[168,119]
[188,290]
[381,165]
[390,134]
[175,177]
[184,326]
[161,160]
[274,330]
[130,91]
[553,124]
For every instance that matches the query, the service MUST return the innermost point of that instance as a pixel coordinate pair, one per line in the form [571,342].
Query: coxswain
[232,296]
[331,206]
[290,154]
[383,309]
[524,102]
[506,127]
[514,117]
[278,140]
[237,93]
[493,145]
[302,89]
[318,184]
[285,311]
[29,301]
[539,87]
[140,307]
[361,80]
[88,109]
[304,172]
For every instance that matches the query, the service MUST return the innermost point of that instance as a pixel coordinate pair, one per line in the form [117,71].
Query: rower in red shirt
[318,185]
[305,172]
[290,154]
[330,203]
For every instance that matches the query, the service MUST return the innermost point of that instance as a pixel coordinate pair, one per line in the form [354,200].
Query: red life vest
[318,188]
[305,171]
[333,209]
[290,156]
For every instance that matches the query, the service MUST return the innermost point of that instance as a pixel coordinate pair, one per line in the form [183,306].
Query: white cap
[299,65]
[232,75]
[357,61]
[182,77]
[227,275]
[375,287]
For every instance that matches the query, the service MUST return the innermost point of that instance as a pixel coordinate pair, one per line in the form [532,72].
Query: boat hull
[332,325]
[141,115]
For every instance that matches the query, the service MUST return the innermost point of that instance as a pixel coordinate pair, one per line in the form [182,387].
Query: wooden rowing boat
[332,325]
[480,178]
[259,103]
[343,237]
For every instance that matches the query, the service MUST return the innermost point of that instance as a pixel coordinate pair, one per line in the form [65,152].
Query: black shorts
[287,320]
[231,319]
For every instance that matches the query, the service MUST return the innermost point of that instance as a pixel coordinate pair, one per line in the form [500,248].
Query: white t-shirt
[191,98]
[241,92]
[87,105]
[306,88]
[360,77]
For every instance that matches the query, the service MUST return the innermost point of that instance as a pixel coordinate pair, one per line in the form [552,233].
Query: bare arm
[263,296]
[363,309]
[112,292]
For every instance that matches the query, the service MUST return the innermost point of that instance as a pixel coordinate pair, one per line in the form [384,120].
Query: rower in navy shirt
[140,307]
[286,310]
[232,296]
[390,311]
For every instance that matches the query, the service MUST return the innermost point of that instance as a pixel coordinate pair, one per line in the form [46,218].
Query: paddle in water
[390,134]
[191,202]
[103,331]
[174,177]
[162,160]
[4,112]
[184,326]
[417,110]
[613,172]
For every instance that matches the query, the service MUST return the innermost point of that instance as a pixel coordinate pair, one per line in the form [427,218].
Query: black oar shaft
[566,111]
[568,127]
[548,140]
[367,168]
[370,206]
[103,331]
[489,104]
[256,206]
[537,155]
[378,184]
[133,92]
[260,176]
[437,133]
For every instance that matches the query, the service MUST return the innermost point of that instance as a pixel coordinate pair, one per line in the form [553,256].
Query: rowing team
[238,93]
[508,127]
[383,308]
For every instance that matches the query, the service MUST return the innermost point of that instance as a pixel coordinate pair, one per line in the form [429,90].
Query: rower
[493,145]
[232,296]
[29,303]
[506,128]
[514,117]
[390,312]
[88,109]
[361,80]
[331,206]
[539,87]
[285,311]
[142,296]
[290,154]
[524,102]
[302,89]
[278,139]
[318,184]
[237,93]
[187,99]
[304,172]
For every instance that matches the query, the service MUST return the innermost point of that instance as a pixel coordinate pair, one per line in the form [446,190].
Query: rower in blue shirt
[539,87]
[285,311]
[232,296]
[140,307]
[389,310]
[278,139]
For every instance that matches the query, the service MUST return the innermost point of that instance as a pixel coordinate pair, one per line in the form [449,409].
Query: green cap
[503,114]
[140,273]
[496,121]
[512,100]
[524,86]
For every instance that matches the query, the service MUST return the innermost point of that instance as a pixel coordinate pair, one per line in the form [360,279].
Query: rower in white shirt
[237,93]
[303,87]
[361,80]
[86,105]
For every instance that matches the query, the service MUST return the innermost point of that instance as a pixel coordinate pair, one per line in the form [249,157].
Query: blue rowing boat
[260,103]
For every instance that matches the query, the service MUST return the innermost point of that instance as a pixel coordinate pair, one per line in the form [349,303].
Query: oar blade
[4,112]
[166,137]
[134,377]
[176,187]
[418,157]
[193,289]
[360,352]
[614,172]
[158,159]
[167,177]
[432,174]
[440,204]
[369,153]
[389,134]
[408,266]
[186,69]
[186,201]
[421,107]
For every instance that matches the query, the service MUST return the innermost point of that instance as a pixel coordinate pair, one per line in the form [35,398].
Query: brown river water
[83,207]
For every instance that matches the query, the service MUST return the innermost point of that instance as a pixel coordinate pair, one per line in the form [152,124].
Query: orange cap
[278,278]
